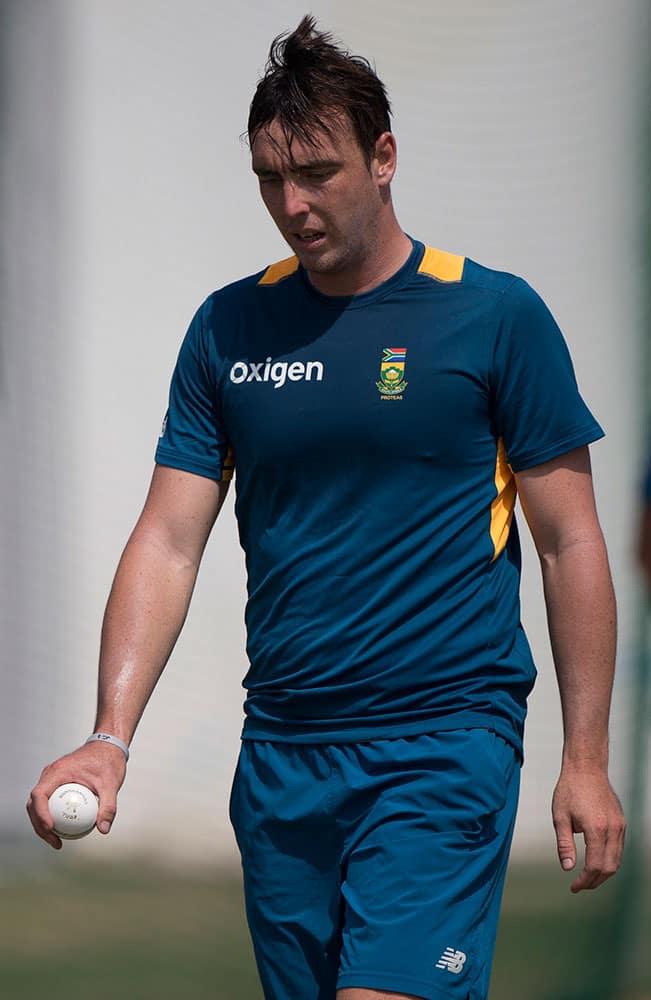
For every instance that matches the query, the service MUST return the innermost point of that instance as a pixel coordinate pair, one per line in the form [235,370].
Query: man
[382,402]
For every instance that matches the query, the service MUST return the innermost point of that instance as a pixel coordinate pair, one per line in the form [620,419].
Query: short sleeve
[536,405]
[193,437]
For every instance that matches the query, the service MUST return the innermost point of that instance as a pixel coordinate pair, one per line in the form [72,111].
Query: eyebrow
[297,168]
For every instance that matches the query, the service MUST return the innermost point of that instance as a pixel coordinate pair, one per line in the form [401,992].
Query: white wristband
[106,738]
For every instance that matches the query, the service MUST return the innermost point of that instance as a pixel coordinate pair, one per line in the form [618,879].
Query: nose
[294,200]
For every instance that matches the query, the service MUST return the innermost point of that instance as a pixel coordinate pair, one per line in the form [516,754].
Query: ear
[385,159]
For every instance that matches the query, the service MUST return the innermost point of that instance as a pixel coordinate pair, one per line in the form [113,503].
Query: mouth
[310,239]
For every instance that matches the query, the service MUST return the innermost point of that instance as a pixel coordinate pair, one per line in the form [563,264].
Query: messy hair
[310,84]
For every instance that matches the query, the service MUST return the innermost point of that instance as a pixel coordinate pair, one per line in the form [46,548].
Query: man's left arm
[558,502]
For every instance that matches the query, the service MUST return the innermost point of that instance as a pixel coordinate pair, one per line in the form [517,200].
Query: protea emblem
[392,372]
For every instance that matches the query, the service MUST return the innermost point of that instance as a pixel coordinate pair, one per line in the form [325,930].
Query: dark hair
[310,83]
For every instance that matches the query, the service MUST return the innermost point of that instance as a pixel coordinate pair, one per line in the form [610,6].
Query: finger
[593,873]
[612,855]
[565,843]
[42,822]
[106,811]
[39,811]
[613,851]
[589,879]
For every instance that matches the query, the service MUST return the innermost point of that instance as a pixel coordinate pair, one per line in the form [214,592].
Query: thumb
[106,814]
[565,843]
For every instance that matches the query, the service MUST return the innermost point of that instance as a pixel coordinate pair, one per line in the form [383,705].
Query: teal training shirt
[374,439]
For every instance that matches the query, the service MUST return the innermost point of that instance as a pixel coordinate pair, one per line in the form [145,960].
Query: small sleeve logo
[392,373]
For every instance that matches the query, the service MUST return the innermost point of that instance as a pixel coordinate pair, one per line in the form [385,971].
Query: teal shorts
[377,865]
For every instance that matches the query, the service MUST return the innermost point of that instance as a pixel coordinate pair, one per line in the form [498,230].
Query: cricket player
[381,404]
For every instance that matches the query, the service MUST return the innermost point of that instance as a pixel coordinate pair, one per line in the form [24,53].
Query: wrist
[102,737]
[585,760]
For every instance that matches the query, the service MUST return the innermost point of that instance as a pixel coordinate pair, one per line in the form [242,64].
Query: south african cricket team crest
[392,373]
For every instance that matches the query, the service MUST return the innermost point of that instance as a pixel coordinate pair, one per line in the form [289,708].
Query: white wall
[127,198]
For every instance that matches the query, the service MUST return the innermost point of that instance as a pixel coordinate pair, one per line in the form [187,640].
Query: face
[328,204]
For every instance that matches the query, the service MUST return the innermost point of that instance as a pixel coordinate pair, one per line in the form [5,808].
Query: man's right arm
[146,609]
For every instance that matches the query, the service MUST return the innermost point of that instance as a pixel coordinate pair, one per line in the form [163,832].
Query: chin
[318,265]
[328,262]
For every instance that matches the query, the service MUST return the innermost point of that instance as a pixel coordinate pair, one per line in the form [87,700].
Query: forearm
[144,615]
[558,501]
[582,626]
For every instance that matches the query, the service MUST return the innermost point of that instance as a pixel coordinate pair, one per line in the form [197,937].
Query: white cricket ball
[74,810]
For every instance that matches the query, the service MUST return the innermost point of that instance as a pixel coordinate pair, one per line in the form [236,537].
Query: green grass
[146,934]
[553,945]
[131,932]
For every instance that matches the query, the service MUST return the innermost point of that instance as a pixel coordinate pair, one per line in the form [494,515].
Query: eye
[318,175]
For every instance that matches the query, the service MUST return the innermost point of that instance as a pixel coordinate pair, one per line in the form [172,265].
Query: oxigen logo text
[277,372]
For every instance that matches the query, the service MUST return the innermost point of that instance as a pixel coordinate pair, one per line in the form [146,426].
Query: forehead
[272,145]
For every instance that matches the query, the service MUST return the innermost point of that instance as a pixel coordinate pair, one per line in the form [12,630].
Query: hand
[100,766]
[584,802]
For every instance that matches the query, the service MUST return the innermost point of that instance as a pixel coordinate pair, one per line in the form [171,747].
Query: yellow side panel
[441,265]
[503,505]
[276,272]
[228,468]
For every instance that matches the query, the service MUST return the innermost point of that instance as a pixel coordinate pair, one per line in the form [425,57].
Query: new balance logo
[452,960]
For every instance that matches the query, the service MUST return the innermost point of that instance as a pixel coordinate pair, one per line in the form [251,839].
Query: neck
[380,260]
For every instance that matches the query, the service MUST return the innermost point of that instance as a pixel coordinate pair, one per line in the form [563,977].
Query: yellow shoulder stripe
[441,265]
[276,272]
